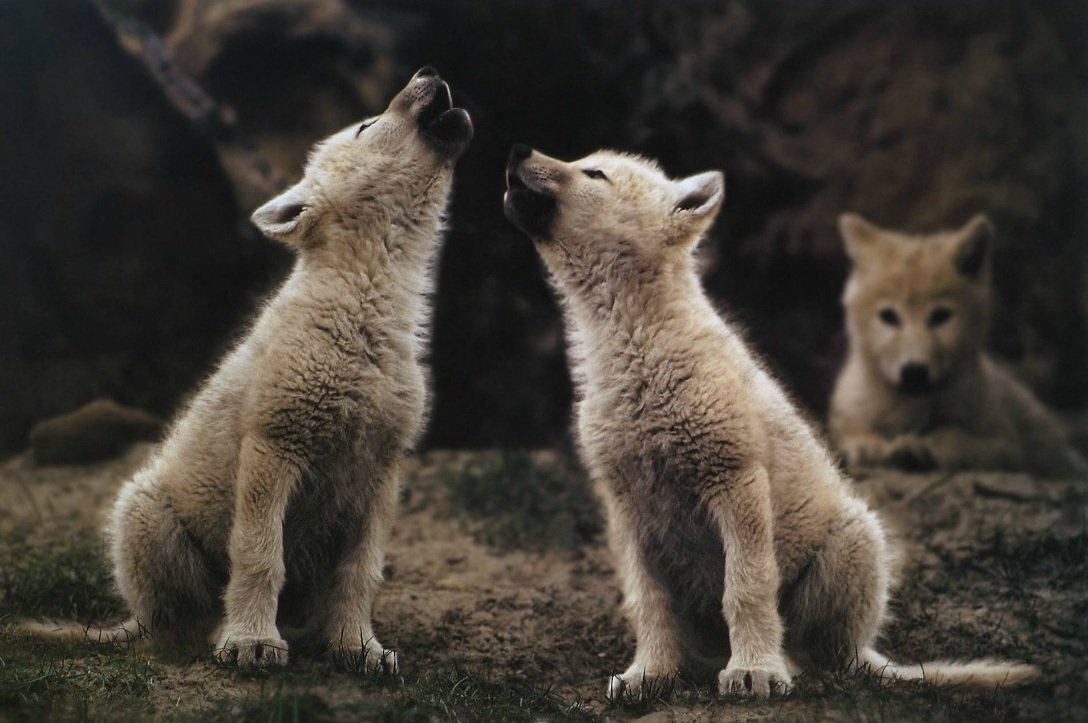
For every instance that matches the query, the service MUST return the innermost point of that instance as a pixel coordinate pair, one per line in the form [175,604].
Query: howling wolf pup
[268,506]
[918,390]
[734,532]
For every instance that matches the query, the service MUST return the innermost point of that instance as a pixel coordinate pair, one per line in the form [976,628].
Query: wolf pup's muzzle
[530,209]
[446,128]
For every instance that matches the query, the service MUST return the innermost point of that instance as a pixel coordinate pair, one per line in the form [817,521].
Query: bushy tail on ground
[127,631]
[984,673]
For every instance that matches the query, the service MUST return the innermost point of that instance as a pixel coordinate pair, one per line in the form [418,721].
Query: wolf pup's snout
[526,205]
[446,127]
[914,378]
[518,153]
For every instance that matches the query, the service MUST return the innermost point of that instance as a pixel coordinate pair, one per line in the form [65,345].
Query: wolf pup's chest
[679,539]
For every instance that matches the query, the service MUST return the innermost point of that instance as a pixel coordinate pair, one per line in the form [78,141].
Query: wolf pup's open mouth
[530,210]
[446,127]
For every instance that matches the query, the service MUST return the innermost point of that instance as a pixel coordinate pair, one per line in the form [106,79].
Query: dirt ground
[501,599]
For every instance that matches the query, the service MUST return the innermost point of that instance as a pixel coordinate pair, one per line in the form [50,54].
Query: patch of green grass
[1015,559]
[520,503]
[446,693]
[849,694]
[653,693]
[77,680]
[68,580]
[38,680]
[279,706]
[454,694]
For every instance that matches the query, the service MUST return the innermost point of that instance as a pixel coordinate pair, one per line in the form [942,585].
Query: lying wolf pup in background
[270,501]
[918,389]
[721,502]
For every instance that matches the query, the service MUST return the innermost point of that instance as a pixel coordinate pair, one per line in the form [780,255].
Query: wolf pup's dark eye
[595,173]
[939,316]
[364,126]
[889,317]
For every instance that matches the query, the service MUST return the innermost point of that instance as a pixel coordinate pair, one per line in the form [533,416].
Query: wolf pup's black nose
[914,377]
[426,71]
[520,152]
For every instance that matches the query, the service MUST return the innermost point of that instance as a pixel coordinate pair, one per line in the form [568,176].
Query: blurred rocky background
[138,135]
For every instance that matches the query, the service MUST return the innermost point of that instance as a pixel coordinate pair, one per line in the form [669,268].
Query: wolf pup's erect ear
[284,217]
[972,249]
[696,202]
[859,236]
[700,195]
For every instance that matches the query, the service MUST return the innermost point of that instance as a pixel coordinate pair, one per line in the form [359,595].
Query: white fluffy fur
[974,414]
[737,539]
[265,513]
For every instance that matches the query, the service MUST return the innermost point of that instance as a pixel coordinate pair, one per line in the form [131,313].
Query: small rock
[96,431]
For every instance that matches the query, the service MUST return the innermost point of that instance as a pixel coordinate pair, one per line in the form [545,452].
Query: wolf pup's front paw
[249,653]
[632,681]
[911,454]
[864,451]
[755,680]
[372,658]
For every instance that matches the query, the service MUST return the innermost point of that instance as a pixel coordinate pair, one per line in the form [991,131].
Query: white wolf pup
[268,506]
[733,530]
[918,389]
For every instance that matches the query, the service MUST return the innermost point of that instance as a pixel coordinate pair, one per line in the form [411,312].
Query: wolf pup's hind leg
[166,581]
[835,608]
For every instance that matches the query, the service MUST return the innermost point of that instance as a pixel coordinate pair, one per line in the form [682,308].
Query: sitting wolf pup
[726,514]
[269,503]
[918,389]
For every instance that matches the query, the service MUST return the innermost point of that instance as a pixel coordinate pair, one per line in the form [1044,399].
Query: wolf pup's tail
[127,631]
[984,673]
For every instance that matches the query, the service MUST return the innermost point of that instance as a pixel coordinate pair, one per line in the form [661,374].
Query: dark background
[136,136]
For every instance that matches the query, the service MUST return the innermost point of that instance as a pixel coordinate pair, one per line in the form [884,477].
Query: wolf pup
[726,514]
[267,508]
[918,390]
